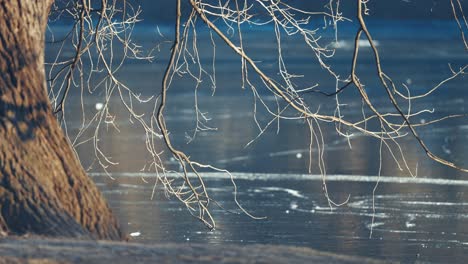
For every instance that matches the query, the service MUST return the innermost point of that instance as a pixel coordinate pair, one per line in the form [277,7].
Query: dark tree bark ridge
[43,188]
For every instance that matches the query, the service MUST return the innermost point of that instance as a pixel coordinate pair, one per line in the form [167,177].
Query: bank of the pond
[51,251]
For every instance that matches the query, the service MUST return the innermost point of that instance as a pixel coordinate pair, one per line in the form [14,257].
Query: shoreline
[45,250]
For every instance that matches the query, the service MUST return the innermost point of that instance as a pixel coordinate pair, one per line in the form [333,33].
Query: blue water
[423,218]
[419,220]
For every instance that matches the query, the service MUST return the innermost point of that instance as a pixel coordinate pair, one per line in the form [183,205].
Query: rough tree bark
[43,188]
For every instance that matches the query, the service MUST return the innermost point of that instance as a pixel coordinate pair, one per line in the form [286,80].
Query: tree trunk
[43,188]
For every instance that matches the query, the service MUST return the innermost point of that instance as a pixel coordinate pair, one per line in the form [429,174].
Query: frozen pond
[423,218]
[414,219]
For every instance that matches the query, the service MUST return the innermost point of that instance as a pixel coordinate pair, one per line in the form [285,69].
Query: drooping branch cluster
[393,125]
[99,31]
[99,37]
